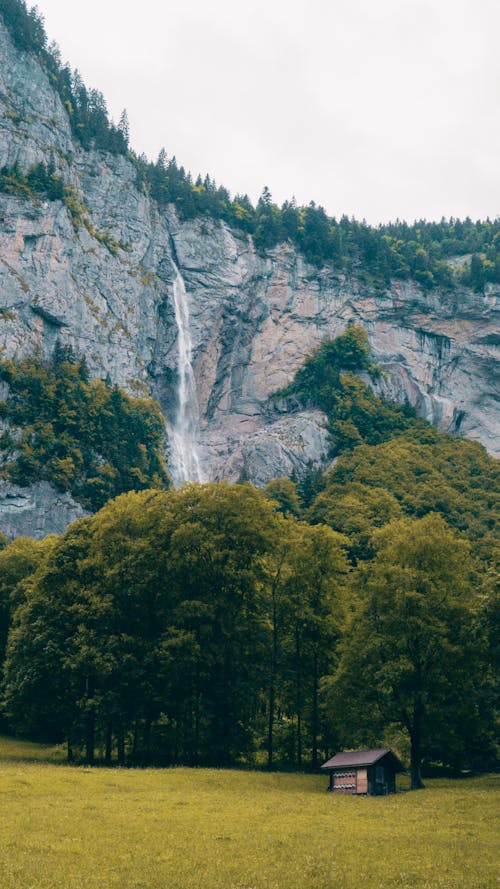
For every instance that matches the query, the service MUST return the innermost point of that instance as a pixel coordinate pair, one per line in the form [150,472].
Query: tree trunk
[274,658]
[90,738]
[270,727]
[197,717]
[314,726]
[120,739]
[90,724]
[135,740]
[109,745]
[270,736]
[147,740]
[299,700]
[415,760]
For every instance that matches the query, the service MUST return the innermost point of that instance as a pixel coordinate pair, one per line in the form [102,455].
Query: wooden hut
[371,772]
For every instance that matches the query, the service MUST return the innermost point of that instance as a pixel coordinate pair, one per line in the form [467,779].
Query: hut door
[362,781]
[380,784]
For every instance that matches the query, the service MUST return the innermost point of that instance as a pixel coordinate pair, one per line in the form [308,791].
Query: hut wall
[362,781]
[345,781]
[381,779]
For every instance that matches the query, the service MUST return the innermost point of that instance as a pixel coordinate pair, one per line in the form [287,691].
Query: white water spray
[185,461]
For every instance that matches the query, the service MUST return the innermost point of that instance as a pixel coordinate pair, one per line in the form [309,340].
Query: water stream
[183,433]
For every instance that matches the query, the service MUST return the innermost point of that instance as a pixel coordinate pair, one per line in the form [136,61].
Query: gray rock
[35,511]
[290,446]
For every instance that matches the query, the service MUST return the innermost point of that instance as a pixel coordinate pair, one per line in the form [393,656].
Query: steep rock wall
[253,319]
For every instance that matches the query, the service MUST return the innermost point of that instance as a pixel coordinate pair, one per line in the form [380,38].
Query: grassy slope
[182,828]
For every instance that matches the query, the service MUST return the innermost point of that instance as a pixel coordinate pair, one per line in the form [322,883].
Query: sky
[380,109]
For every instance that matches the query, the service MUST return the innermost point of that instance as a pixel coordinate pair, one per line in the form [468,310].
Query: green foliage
[284,492]
[200,625]
[390,463]
[321,371]
[39,181]
[308,607]
[416,473]
[355,510]
[18,561]
[328,380]
[411,654]
[164,622]
[483,268]
[83,436]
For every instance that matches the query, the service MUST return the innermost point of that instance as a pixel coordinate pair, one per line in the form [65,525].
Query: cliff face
[104,285]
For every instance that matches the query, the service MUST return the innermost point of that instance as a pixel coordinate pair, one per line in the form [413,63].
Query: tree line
[376,255]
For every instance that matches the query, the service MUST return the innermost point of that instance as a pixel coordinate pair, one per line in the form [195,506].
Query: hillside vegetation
[390,462]
[209,829]
[84,436]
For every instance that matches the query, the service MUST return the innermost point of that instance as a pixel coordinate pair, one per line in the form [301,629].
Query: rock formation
[106,288]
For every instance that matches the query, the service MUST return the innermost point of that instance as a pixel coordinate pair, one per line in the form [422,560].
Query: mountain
[89,259]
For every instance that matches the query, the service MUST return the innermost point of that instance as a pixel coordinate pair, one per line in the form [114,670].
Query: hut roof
[359,758]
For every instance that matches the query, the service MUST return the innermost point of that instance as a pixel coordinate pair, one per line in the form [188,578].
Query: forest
[376,254]
[85,436]
[224,625]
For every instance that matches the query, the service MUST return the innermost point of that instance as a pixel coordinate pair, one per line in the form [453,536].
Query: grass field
[81,828]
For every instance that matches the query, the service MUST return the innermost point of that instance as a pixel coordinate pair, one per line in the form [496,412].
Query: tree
[86,437]
[315,235]
[284,492]
[476,277]
[355,510]
[218,548]
[267,231]
[413,474]
[18,561]
[42,684]
[408,654]
[123,127]
[313,612]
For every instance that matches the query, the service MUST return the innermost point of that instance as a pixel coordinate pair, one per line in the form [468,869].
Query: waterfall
[185,461]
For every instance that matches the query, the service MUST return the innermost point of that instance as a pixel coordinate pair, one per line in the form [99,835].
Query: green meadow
[65,827]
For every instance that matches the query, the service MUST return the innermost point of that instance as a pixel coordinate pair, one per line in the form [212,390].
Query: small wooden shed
[371,772]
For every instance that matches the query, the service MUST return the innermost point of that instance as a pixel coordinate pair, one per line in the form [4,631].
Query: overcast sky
[374,108]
